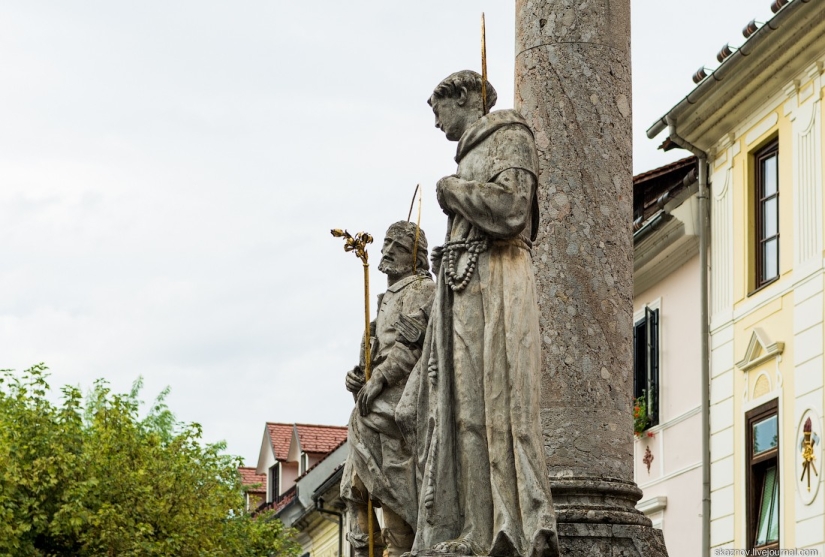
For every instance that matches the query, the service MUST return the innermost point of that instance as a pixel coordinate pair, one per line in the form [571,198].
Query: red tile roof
[326,456]
[320,438]
[249,477]
[653,189]
[279,505]
[286,499]
[656,172]
[280,435]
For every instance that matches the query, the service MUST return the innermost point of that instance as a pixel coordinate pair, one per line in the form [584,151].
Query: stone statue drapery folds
[471,406]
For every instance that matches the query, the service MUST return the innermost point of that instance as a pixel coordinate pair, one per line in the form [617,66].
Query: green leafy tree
[94,478]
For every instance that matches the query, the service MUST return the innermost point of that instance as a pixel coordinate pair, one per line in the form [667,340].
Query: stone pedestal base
[597,518]
[604,540]
[610,540]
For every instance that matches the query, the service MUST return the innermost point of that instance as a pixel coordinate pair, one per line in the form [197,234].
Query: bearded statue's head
[397,251]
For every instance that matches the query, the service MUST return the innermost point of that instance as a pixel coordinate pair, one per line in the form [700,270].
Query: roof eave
[750,56]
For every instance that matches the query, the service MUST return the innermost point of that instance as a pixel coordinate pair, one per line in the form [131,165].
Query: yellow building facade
[318,535]
[767,333]
[757,121]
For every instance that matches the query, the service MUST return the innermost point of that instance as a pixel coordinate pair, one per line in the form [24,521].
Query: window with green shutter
[646,363]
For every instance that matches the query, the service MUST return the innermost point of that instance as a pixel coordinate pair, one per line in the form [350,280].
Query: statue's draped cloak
[378,454]
[471,405]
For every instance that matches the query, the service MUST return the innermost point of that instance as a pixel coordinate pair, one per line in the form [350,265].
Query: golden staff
[483,66]
[358,245]
[417,224]
[412,202]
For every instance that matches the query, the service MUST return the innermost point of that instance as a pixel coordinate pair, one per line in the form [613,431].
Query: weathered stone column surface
[573,87]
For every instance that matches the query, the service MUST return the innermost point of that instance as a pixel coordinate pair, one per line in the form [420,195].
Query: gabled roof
[320,438]
[285,442]
[326,456]
[250,478]
[280,435]
[306,487]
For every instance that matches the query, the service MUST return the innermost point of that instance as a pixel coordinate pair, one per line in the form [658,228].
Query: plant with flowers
[641,419]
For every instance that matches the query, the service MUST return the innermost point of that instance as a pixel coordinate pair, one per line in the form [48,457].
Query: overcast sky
[169,173]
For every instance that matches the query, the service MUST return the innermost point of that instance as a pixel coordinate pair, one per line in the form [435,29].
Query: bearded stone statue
[380,463]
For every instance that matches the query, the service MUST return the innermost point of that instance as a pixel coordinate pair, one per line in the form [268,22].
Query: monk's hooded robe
[471,405]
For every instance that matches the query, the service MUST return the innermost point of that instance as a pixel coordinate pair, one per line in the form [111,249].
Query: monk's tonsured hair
[402,230]
[450,87]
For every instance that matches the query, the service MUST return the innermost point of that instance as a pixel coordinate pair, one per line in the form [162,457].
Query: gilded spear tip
[483,66]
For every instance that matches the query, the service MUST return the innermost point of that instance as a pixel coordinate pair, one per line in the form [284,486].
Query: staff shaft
[417,230]
[367,370]
[367,375]
[358,245]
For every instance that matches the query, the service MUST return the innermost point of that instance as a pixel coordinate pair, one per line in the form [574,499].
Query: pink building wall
[675,469]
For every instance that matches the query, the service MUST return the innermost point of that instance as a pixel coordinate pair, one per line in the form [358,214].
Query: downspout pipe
[704,234]
[319,506]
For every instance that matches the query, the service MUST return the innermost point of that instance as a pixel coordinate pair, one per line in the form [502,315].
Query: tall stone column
[573,86]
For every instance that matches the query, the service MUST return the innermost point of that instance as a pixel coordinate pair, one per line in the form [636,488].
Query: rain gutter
[720,73]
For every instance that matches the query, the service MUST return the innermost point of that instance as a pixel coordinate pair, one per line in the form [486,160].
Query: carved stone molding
[760,349]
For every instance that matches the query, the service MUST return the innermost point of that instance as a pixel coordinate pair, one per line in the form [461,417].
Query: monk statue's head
[397,251]
[456,102]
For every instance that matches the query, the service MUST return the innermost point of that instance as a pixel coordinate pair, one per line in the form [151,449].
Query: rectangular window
[646,363]
[767,214]
[275,482]
[304,464]
[763,477]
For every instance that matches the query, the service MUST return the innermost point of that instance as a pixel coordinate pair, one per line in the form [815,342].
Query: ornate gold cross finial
[357,243]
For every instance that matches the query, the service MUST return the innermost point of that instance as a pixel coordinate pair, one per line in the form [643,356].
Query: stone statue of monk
[471,406]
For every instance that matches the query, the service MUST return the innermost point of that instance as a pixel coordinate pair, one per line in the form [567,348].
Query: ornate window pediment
[760,349]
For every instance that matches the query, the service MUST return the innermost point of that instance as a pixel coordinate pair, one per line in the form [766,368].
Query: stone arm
[355,377]
[500,208]
[411,326]
[398,364]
